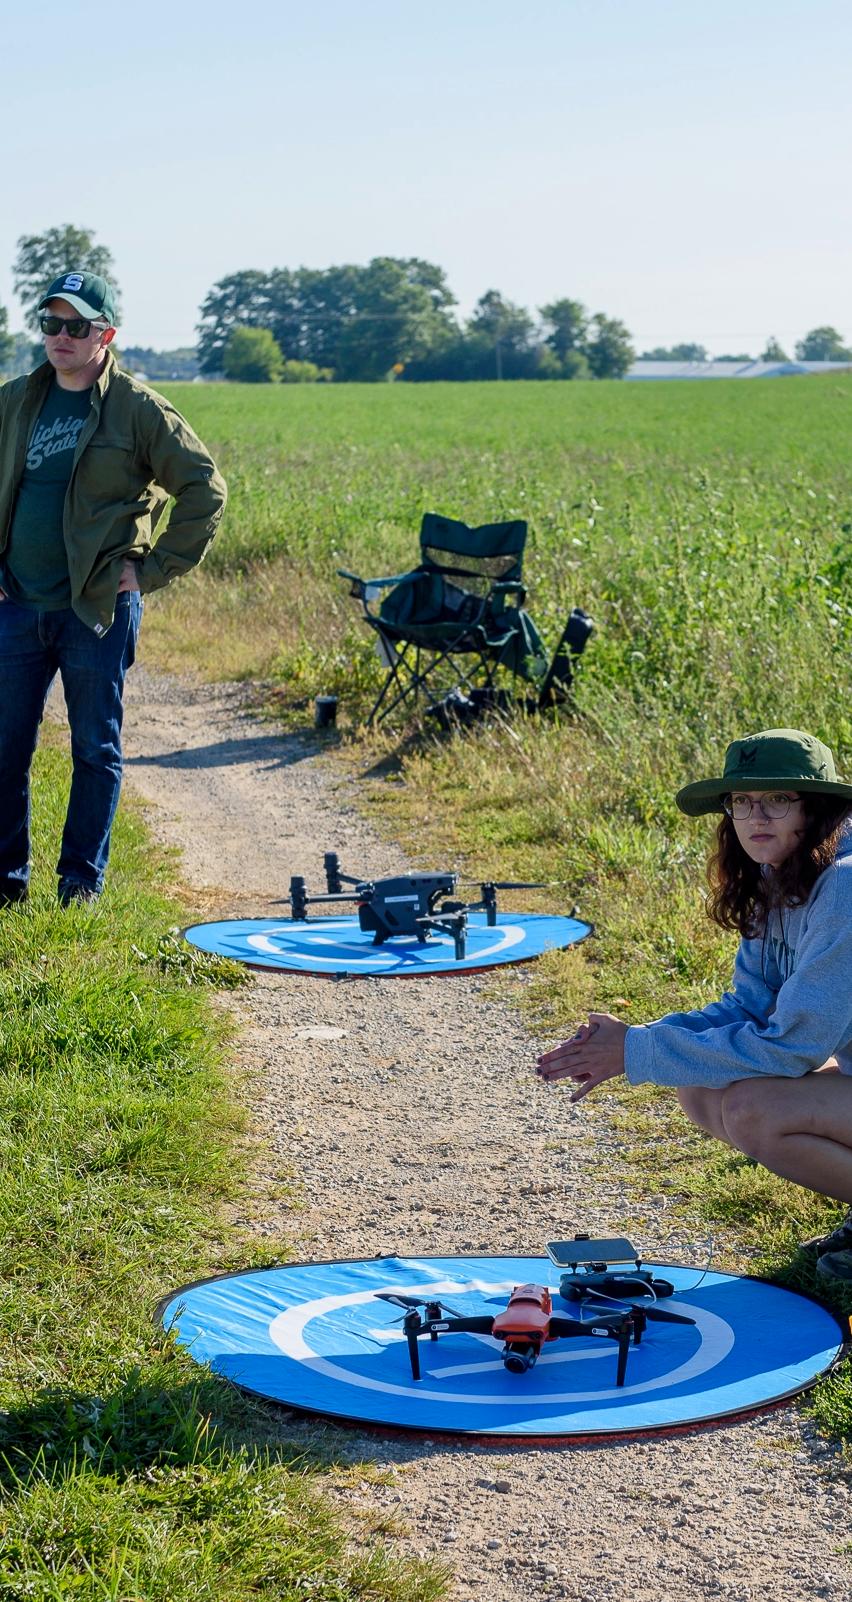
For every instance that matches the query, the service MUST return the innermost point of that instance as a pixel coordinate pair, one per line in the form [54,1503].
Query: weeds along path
[421,1128]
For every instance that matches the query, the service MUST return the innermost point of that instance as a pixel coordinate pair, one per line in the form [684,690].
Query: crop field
[706,527]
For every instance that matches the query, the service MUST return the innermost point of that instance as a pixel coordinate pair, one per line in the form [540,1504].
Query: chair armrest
[502,589]
[367,589]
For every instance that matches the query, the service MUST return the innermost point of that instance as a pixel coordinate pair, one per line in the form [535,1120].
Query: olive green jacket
[134,452]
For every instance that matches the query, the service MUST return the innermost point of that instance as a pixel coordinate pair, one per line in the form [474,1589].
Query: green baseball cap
[88,293]
[775,759]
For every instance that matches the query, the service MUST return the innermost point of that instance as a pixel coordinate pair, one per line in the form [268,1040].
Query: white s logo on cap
[73,281]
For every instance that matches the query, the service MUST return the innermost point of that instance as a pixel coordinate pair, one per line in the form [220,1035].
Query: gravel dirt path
[405,1131]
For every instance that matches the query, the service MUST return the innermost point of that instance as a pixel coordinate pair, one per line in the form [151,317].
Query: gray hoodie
[789,1009]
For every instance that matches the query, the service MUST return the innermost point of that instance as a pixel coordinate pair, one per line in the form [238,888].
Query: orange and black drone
[526,1324]
[411,904]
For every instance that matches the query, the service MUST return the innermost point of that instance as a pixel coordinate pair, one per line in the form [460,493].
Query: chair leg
[407,680]
[405,689]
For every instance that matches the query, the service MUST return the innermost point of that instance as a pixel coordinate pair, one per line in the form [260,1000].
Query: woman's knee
[691,1098]
[702,1107]
[747,1117]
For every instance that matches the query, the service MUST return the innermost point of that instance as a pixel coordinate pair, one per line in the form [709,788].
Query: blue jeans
[34,646]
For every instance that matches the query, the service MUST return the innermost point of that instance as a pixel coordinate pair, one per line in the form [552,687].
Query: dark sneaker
[835,1265]
[12,892]
[839,1240]
[71,891]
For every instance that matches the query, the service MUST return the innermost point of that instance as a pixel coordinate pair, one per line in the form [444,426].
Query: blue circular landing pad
[315,1336]
[333,946]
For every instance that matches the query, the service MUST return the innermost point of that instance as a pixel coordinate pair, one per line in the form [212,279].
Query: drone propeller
[414,1301]
[662,1316]
[519,884]
[512,884]
[651,1310]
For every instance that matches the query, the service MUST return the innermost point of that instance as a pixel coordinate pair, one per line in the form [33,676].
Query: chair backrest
[494,551]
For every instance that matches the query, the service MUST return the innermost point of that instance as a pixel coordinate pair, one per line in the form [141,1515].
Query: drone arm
[310,901]
[479,1324]
[560,1327]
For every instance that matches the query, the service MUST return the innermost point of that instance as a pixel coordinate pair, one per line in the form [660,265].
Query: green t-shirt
[35,567]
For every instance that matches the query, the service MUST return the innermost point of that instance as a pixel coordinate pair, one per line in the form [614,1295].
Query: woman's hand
[594,1054]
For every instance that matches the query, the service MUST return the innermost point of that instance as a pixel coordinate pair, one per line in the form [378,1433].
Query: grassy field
[126,1475]
[706,527]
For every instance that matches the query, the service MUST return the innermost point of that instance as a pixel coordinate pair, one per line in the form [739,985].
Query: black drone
[412,904]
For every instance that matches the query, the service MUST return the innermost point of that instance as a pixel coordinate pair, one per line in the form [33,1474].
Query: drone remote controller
[593,1269]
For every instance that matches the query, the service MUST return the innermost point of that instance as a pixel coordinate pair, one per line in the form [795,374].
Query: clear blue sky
[681,164]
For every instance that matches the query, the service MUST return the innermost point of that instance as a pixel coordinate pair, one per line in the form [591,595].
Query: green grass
[692,520]
[706,527]
[126,1472]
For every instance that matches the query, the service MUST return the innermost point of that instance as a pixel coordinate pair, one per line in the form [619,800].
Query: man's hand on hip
[129,576]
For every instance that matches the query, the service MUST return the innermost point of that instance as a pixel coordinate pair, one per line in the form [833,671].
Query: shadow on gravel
[325,1441]
[388,764]
[265,750]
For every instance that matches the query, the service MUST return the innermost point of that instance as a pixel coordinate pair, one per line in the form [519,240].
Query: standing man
[88,460]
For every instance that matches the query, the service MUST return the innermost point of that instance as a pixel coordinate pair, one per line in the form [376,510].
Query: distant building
[645,369]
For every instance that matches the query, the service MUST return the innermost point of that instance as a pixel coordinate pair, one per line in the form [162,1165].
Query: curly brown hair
[742,895]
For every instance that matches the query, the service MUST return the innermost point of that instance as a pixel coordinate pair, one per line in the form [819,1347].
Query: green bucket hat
[775,759]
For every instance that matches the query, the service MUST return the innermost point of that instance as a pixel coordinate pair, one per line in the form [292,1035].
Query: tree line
[822,344]
[396,317]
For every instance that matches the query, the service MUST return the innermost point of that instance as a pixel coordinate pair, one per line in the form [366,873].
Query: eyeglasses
[772,806]
[75,327]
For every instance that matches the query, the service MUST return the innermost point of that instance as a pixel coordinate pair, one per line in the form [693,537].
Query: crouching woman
[768,1068]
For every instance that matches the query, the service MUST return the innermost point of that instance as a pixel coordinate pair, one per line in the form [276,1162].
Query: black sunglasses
[75,327]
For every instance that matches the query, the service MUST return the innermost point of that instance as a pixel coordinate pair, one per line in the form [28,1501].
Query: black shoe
[71,891]
[835,1265]
[840,1239]
[12,892]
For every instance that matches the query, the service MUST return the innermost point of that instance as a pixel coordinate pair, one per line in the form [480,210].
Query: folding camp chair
[464,600]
